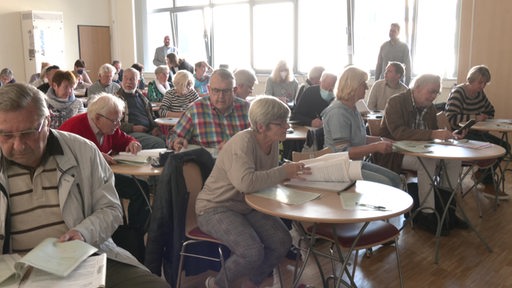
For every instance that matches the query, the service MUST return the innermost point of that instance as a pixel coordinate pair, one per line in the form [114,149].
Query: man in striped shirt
[212,120]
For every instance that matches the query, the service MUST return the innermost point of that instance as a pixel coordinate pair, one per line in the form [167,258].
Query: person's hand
[71,235]
[481,117]
[296,170]
[139,128]
[383,147]
[443,134]
[156,132]
[316,123]
[109,159]
[460,135]
[133,147]
[179,143]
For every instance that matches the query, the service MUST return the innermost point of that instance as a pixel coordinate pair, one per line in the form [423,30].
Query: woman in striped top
[468,101]
[178,98]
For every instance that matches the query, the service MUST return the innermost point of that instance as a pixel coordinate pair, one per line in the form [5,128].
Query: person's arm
[241,167]
[398,123]
[166,103]
[102,209]
[378,67]
[359,152]
[269,87]
[455,109]
[157,58]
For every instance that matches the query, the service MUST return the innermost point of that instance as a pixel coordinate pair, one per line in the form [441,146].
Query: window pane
[232,42]
[158,4]
[273,35]
[372,20]
[435,47]
[191,45]
[161,24]
[314,48]
[190,2]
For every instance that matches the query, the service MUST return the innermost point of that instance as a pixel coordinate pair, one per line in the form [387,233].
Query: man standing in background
[393,50]
[161,52]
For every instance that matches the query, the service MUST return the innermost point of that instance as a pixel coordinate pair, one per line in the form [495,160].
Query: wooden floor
[464,260]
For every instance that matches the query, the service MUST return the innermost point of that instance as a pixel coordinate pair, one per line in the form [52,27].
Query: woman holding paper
[247,163]
[344,128]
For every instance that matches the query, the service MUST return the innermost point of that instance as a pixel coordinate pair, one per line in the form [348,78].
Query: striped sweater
[460,107]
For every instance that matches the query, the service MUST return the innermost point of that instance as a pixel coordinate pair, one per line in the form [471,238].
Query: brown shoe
[490,192]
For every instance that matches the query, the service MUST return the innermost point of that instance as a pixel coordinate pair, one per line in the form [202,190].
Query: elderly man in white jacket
[56,184]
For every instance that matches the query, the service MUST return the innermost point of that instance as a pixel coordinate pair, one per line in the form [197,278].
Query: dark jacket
[166,231]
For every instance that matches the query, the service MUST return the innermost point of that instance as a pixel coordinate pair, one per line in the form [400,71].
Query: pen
[371,206]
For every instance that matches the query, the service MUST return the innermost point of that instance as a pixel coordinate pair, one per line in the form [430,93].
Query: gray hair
[106,68]
[265,109]
[18,96]
[479,71]
[161,69]
[133,71]
[425,79]
[224,75]
[245,76]
[104,102]
[7,72]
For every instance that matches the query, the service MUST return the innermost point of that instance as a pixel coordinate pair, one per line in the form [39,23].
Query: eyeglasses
[114,122]
[23,135]
[217,91]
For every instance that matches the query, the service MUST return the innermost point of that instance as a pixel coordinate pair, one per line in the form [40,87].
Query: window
[259,33]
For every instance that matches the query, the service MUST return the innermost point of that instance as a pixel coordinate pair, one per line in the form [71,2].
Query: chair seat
[377,232]
[197,234]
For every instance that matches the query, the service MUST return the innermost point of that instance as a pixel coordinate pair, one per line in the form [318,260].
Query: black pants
[138,210]
[487,137]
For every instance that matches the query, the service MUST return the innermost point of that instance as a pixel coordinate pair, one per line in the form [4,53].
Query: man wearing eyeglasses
[210,121]
[57,184]
[410,115]
[101,126]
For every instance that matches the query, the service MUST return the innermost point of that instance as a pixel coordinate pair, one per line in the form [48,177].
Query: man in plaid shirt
[210,121]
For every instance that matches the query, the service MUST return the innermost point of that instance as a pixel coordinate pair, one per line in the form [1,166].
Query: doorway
[94,47]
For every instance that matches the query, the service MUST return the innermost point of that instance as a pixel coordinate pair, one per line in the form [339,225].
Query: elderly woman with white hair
[247,163]
[158,87]
[178,98]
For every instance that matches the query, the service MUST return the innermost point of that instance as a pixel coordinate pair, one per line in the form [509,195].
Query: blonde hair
[182,81]
[349,81]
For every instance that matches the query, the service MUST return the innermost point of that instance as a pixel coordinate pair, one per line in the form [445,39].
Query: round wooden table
[336,208]
[470,151]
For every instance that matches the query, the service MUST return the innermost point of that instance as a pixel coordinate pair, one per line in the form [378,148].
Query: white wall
[87,12]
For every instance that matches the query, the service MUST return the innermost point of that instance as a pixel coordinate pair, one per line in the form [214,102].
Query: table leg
[461,209]
[143,194]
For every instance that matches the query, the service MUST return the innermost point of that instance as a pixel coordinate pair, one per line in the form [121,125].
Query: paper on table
[287,195]
[143,157]
[349,199]
[412,146]
[323,185]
